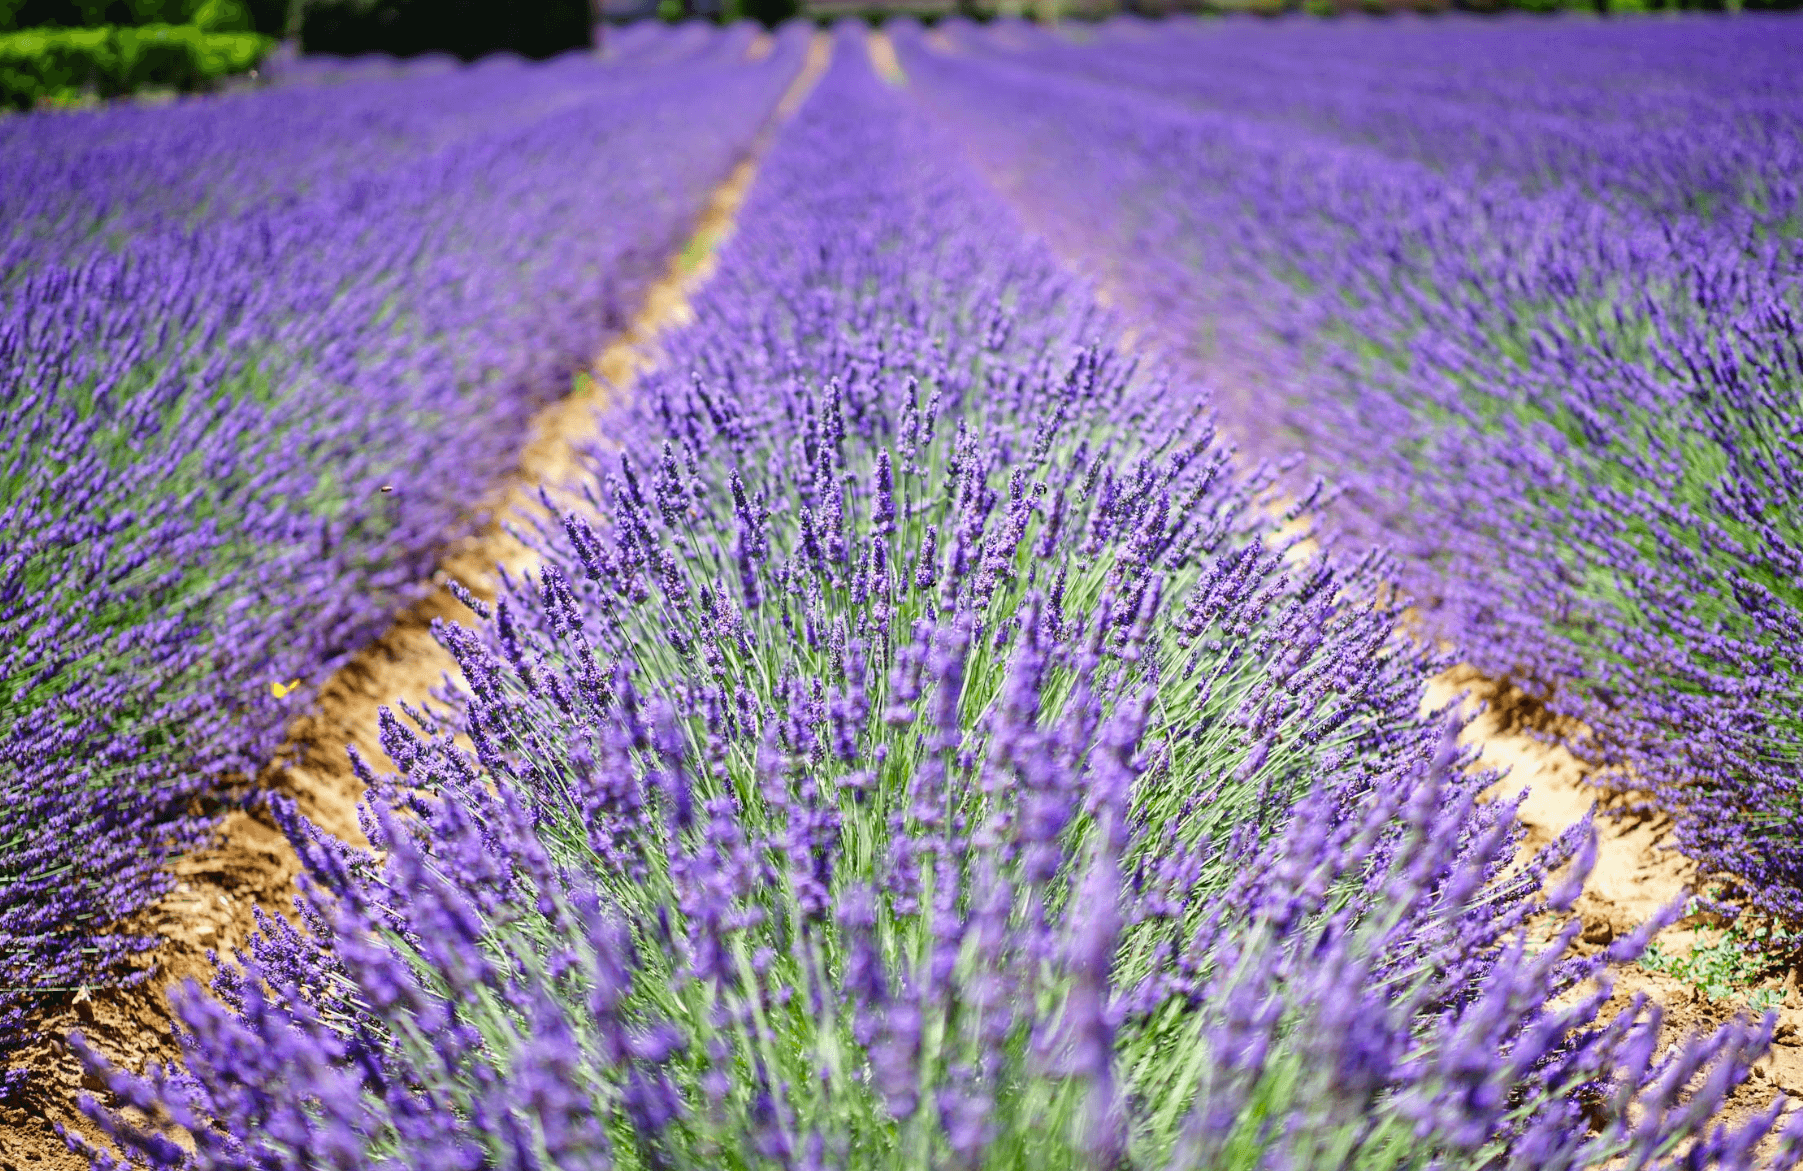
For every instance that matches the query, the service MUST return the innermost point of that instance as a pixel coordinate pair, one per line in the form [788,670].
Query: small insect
[388,487]
[280,689]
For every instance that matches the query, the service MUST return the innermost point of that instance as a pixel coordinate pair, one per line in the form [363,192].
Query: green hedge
[61,63]
[263,16]
[467,28]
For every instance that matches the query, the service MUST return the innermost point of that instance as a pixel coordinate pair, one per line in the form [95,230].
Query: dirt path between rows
[882,57]
[252,865]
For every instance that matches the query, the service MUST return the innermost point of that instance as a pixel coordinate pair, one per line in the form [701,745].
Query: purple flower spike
[1123,847]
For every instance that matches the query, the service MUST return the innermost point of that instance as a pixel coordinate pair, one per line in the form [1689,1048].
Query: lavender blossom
[1042,913]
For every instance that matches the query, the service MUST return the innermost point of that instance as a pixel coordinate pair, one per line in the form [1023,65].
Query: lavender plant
[919,752]
[1540,325]
[259,358]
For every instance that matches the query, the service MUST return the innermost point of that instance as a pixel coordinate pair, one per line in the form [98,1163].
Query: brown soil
[883,59]
[251,864]
[1637,873]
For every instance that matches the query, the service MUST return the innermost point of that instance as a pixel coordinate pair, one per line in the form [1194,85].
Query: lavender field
[974,691]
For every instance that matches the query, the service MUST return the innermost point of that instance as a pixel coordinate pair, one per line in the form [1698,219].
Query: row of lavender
[922,753]
[1541,320]
[260,357]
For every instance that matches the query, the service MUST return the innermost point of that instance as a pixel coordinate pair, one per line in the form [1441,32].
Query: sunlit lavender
[1538,319]
[930,745]
[260,359]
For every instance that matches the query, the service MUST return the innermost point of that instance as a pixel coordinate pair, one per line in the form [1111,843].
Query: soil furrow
[1637,871]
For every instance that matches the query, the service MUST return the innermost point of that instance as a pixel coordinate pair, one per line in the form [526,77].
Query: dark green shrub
[771,13]
[59,64]
[466,28]
[156,55]
[269,17]
[49,63]
[27,14]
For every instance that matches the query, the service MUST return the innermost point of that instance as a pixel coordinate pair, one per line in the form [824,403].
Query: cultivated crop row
[260,358]
[1539,319]
[922,751]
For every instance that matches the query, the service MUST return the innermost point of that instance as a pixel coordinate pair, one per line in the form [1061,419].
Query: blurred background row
[75,52]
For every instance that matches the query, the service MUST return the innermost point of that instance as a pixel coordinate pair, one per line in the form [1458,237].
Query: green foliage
[223,16]
[61,64]
[23,14]
[466,28]
[771,13]
[1727,963]
[269,17]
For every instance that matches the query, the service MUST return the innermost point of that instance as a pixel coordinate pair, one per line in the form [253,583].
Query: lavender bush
[920,752]
[1540,322]
[227,331]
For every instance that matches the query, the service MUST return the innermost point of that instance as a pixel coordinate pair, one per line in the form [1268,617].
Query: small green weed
[1726,962]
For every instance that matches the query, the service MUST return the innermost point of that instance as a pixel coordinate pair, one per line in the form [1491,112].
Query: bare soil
[883,59]
[211,912]
[1637,873]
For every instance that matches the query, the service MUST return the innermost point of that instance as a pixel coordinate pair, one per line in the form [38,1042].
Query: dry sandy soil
[1637,873]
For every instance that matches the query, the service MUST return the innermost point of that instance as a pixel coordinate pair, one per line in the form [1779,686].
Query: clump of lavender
[225,327]
[1539,320]
[919,754]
